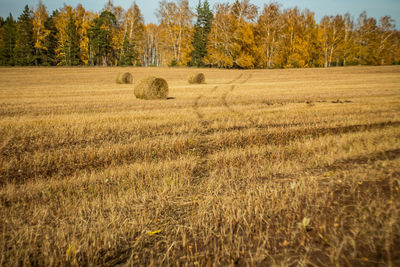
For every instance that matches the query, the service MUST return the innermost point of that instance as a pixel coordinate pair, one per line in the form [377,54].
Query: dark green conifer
[7,44]
[71,45]
[24,50]
[202,29]
[100,38]
[128,53]
[49,57]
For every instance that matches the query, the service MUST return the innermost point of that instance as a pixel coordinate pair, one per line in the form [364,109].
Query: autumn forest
[238,35]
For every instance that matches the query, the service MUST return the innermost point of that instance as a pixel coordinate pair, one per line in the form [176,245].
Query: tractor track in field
[199,114]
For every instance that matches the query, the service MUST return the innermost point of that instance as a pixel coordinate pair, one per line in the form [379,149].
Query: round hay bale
[151,88]
[197,78]
[125,78]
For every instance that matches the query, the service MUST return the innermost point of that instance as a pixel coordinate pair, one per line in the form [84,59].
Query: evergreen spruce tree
[100,38]
[24,50]
[128,53]
[71,45]
[202,29]
[1,34]
[50,58]
[7,45]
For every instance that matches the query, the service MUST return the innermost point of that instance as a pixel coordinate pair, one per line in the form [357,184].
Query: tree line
[237,35]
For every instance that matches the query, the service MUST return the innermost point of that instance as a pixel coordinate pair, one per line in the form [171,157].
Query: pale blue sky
[374,8]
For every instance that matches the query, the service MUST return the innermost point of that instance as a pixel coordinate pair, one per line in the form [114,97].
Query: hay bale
[151,88]
[125,78]
[197,78]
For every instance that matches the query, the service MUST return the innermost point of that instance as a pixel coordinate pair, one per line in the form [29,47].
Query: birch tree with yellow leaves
[83,21]
[176,31]
[151,55]
[366,40]
[386,41]
[220,44]
[332,34]
[67,51]
[40,32]
[298,39]
[268,31]
[132,35]
[232,41]
[244,46]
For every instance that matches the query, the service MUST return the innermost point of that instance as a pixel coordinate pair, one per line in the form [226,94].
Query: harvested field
[256,167]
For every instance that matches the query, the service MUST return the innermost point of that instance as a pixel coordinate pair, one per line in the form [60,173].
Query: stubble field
[253,168]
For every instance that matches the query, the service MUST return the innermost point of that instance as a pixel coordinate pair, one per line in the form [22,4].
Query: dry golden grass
[256,167]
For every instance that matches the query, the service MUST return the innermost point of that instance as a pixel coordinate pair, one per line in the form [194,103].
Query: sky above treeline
[374,8]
